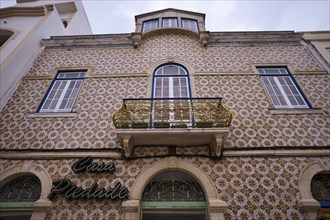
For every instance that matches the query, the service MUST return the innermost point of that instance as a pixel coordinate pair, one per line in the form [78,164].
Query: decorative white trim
[53,115]
[295,111]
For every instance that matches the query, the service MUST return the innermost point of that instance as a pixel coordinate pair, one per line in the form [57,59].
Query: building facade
[22,27]
[170,121]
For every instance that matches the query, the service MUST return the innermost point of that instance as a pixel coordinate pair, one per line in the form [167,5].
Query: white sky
[115,16]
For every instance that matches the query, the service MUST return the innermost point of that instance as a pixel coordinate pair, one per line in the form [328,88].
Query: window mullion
[171,87]
[283,92]
[60,100]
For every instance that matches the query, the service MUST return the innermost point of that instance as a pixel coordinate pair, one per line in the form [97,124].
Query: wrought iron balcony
[172,121]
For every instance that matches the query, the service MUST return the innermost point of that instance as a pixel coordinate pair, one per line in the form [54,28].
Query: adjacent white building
[22,27]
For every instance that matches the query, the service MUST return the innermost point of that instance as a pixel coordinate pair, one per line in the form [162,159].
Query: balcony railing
[172,113]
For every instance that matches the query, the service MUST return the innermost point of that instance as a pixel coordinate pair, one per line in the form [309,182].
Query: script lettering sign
[72,191]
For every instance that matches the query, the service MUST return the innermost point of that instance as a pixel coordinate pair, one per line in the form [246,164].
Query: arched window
[4,36]
[171,81]
[173,195]
[17,197]
[171,93]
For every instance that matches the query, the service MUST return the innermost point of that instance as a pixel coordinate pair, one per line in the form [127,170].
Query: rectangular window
[170,22]
[189,24]
[63,92]
[282,88]
[150,25]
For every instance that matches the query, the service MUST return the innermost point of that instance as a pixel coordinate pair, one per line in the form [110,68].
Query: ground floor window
[173,195]
[17,197]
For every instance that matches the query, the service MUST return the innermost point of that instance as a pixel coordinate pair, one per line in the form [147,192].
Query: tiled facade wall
[244,95]
[210,59]
[254,188]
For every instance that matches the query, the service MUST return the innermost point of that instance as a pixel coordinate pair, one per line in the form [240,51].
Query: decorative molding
[14,155]
[88,40]
[25,11]
[204,37]
[296,111]
[137,39]
[215,137]
[58,155]
[52,115]
[277,153]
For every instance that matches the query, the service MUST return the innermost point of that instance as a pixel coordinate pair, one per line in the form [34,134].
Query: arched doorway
[173,195]
[215,206]
[313,181]
[17,197]
[39,187]
[320,188]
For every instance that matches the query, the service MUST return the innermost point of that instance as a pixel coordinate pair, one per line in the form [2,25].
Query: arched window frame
[216,207]
[42,206]
[187,75]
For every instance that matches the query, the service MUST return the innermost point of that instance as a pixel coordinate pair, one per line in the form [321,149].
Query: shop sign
[72,191]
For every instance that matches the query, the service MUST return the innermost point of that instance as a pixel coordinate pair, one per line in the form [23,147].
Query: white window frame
[64,80]
[150,25]
[172,22]
[280,93]
[171,81]
[191,24]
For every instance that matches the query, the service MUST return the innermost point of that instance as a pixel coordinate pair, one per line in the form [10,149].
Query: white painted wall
[19,52]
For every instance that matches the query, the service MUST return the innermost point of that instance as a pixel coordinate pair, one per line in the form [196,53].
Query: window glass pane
[282,100]
[265,80]
[184,92]
[292,100]
[300,100]
[166,22]
[159,71]
[158,82]
[174,85]
[62,92]
[275,100]
[158,92]
[171,70]
[283,71]
[288,80]
[183,81]
[283,88]
[150,25]
[176,81]
[47,104]
[176,92]
[170,22]
[63,103]
[189,24]
[182,72]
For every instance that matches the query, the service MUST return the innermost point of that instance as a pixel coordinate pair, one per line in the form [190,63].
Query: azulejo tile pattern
[254,188]
[91,128]
[110,60]
[254,126]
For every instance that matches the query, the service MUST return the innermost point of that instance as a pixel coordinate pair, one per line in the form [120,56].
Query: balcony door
[171,91]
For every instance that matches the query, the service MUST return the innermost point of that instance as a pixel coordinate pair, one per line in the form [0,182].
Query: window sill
[53,115]
[296,111]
